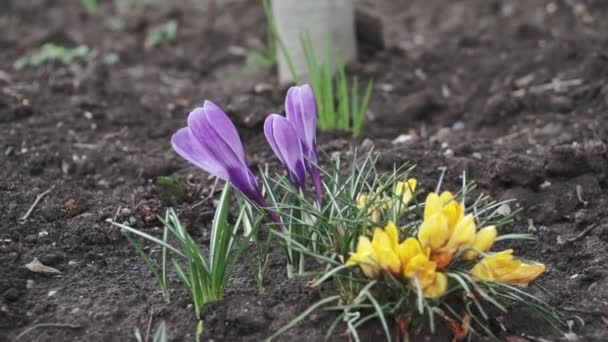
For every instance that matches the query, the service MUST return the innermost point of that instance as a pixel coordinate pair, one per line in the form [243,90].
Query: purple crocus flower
[301,111]
[285,143]
[212,143]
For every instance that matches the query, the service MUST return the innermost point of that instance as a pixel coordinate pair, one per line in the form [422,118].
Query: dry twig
[36,201]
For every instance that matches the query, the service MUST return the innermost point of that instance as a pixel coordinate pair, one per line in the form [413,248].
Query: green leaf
[161,333]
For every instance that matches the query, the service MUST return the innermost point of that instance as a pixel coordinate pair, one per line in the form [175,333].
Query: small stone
[503,210]
[65,167]
[545,184]
[88,115]
[43,233]
[531,227]
[442,135]
[386,87]
[53,258]
[458,126]
[402,139]
[477,155]
[560,104]
[9,150]
[448,153]
[29,284]
[11,295]
[367,143]
[262,88]
[52,293]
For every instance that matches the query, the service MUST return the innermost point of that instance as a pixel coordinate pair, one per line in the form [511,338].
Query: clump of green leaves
[339,104]
[204,275]
[50,52]
[163,33]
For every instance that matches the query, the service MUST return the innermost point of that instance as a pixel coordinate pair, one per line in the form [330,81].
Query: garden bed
[513,92]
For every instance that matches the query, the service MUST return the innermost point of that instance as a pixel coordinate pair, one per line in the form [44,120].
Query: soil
[513,92]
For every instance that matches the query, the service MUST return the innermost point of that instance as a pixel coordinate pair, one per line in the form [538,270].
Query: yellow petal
[524,274]
[437,288]
[452,209]
[386,256]
[463,234]
[364,258]
[484,240]
[422,268]
[433,231]
[376,216]
[503,267]
[393,234]
[409,249]
[432,205]
[362,200]
[405,190]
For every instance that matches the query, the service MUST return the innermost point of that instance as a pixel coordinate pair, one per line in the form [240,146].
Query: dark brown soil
[472,83]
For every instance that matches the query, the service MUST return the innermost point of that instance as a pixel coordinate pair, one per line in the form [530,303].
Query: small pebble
[402,139]
[448,153]
[386,87]
[367,143]
[43,234]
[477,155]
[29,284]
[458,125]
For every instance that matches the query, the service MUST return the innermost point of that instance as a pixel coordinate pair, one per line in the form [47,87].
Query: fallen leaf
[37,267]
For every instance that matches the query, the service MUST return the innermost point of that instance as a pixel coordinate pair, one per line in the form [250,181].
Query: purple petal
[244,180]
[285,143]
[214,130]
[189,148]
[301,111]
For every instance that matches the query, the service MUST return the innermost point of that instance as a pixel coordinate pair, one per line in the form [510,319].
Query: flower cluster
[212,143]
[445,236]
[402,195]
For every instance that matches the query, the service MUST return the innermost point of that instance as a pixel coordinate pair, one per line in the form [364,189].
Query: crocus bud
[301,111]
[284,141]
[212,143]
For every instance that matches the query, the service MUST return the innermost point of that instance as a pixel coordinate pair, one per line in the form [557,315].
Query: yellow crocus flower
[463,234]
[438,287]
[484,240]
[386,256]
[364,257]
[363,202]
[445,204]
[502,267]
[433,283]
[433,231]
[408,249]
[393,234]
[422,268]
[405,190]
[445,229]
[379,253]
